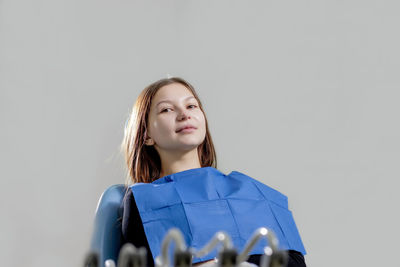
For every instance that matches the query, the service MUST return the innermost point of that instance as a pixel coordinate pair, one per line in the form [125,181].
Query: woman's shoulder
[269,192]
[128,198]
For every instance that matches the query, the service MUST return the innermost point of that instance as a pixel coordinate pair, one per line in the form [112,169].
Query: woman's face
[172,108]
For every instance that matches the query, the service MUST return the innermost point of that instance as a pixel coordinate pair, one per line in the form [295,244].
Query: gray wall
[302,95]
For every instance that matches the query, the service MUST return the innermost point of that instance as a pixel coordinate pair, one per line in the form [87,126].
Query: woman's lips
[187,130]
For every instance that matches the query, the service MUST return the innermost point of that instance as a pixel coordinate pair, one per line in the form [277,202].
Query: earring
[149,142]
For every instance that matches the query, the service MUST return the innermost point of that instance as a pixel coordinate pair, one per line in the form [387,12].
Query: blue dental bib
[203,201]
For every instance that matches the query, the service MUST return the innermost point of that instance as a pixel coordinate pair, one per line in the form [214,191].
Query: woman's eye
[165,109]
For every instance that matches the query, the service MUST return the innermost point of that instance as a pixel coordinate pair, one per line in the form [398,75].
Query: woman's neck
[177,162]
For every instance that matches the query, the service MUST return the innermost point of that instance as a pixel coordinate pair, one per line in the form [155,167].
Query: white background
[302,95]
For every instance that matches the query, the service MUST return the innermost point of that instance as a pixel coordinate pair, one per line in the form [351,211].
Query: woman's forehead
[171,93]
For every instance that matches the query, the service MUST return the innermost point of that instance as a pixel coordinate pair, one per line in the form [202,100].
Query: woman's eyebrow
[169,101]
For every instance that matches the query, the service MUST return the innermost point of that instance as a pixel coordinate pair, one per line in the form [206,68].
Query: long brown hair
[143,162]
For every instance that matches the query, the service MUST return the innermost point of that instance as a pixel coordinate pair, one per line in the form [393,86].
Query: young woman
[173,180]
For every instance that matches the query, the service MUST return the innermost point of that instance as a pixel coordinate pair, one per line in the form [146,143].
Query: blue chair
[107,234]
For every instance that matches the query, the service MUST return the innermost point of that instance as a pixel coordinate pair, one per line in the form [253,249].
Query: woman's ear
[149,141]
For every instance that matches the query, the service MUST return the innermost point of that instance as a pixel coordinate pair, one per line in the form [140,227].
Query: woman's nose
[183,115]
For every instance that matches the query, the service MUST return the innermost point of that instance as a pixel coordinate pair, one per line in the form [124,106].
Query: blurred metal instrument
[91,260]
[182,256]
[228,256]
[273,257]
[130,256]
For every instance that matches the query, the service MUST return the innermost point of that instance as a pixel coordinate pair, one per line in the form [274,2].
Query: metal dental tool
[109,263]
[130,256]
[182,256]
[227,255]
[219,237]
[273,257]
[91,260]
